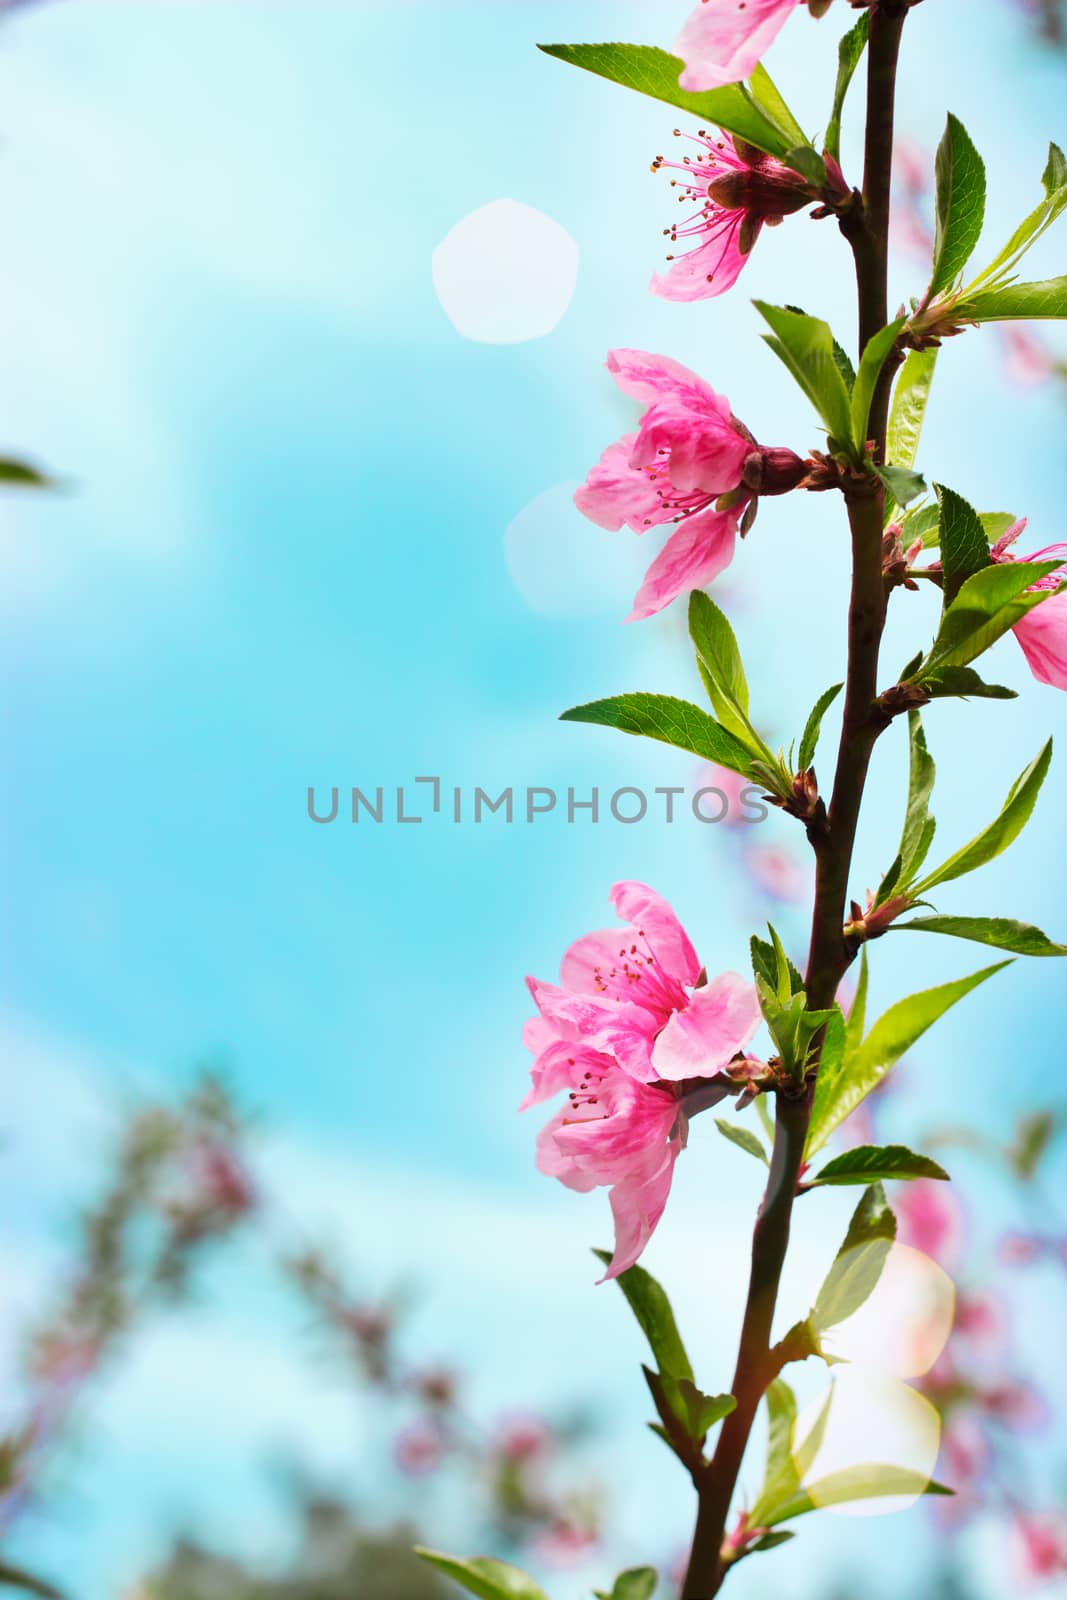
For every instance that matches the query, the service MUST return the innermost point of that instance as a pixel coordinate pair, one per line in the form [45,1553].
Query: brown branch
[866,227]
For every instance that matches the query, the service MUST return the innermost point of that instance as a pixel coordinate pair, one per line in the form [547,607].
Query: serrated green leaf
[917,835]
[1018,302]
[743,1139]
[986,607]
[768,97]
[910,396]
[837,1094]
[1002,933]
[858,1264]
[655,73]
[696,1411]
[1044,214]
[963,683]
[874,357]
[1001,832]
[925,524]
[964,546]
[765,963]
[648,1301]
[723,672]
[871,1481]
[869,1163]
[960,174]
[809,739]
[636,1583]
[806,346]
[485,1577]
[903,484]
[849,54]
[780,1479]
[674,722]
[856,1021]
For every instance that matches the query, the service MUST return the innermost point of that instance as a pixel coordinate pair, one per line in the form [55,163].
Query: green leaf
[1044,214]
[910,396]
[871,1481]
[809,164]
[873,359]
[837,1094]
[485,1577]
[903,484]
[858,1264]
[766,964]
[806,346]
[1033,1136]
[849,54]
[809,739]
[696,1411]
[963,683]
[743,1139]
[22,475]
[1018,302]
[648,1301]
[964,546]
[781,1481]
[655,73]
[960,174]
[1001,832]
[870,1163]
[856,1021]
[765,92]
[1001,932]
[925,524]
[674,722]
[636,1583]
[723,672]
[18,1578]
[987,605]
[918,834]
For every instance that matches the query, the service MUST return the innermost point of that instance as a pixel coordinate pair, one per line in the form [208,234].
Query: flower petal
[624,1031]
[701,454]
[723,40]
[651,378]
[636,903]
[618,492]
[1042,636]
[637,1205]
[700,548]
[710,269]
[719,1020]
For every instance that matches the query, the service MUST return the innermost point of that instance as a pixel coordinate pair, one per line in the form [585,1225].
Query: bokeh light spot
[505,273]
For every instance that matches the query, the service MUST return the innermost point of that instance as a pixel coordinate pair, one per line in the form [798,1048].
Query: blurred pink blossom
[931,1219]
[723,40]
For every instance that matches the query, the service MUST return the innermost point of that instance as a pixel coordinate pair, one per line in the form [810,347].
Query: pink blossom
[723,40]
[567,1541]
[1042,632]
[625,1035]
[777,872]
[930,1219]
[523,1438]
[1027,361]
[221,1179]
[419,1449]
[1016,1405]
[981,1319]
[1041,1544]
[736,189]
[1020,1249]
[689,450]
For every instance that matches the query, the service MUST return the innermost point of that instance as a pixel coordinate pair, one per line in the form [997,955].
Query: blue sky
[281,562]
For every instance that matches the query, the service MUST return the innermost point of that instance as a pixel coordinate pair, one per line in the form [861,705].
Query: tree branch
[867,230]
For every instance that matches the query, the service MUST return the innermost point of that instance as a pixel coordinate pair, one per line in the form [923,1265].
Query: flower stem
[867,231]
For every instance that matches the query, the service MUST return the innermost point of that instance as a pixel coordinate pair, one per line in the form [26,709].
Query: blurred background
[314,415]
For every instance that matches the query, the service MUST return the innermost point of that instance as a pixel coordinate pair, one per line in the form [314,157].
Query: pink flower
[1027,361]
[723,40]
[1020,1249]
[1041,1544]
[930,1219]
[630,1035]
[522,1439]
[1016,1405]
[981,1319]
[689,450]
[777,873]
[419,1449]
[1042,632]
[736,189]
